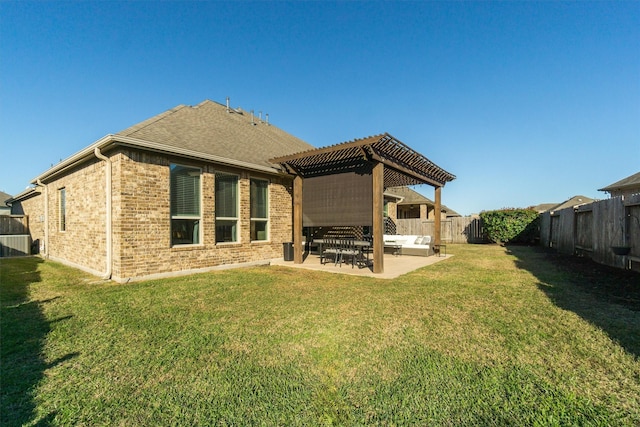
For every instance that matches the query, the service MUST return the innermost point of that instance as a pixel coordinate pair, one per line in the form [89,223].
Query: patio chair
[350,250]
[331,248]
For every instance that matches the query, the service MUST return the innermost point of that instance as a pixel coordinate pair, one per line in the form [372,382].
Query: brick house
[184,191]
[192,189]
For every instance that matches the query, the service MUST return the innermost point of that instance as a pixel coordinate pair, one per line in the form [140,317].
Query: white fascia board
[74,159]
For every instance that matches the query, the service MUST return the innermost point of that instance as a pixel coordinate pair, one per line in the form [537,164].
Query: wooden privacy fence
[14,224]
[601,230]
[15,239]
[453,230]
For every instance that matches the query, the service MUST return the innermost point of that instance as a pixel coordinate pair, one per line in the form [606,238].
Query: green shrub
[511,225]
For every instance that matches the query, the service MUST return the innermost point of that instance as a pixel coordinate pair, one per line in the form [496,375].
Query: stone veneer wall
[142,221]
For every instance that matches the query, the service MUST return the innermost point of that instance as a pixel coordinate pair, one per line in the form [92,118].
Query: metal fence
[607,231]
[15,245]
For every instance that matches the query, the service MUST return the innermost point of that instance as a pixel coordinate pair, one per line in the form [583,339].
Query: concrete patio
[394,266]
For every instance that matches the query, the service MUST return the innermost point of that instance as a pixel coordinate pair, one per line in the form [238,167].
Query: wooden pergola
[389,162]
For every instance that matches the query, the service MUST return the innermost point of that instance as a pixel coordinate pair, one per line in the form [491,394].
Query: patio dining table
[361,245]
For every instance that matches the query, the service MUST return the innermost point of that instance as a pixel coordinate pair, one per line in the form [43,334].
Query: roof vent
[252,121]
[267,118]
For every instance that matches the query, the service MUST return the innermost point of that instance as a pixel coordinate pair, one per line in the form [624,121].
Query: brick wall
[83,242]
[142,220]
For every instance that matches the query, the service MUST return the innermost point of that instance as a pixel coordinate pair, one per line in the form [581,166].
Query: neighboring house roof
[628,183]
[570,203]
[412,197]
[409,196]
[4,197]
[450,212]
[573,202]
[544,207]
[208,131]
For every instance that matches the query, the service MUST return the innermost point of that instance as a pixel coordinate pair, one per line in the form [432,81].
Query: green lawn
[492,336]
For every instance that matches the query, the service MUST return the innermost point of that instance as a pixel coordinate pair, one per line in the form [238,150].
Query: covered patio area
[343,185]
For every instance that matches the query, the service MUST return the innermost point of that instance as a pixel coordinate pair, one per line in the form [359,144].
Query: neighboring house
[410,204]
[573,202]
[625,187]
[544,207]
[4,208]
[203,187]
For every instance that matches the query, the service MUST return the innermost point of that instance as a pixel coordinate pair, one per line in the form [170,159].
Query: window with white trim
[226,207]
[259,209]
[62,209]
[185,205]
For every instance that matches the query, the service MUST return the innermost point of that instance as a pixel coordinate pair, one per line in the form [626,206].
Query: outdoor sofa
[408,244]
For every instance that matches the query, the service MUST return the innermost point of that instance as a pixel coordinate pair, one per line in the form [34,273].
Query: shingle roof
[210,128]
[632,181]
[409,196]
[3,198]
[544,207]
[573,202]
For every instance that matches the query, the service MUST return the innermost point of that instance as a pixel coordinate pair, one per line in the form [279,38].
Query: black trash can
[288,251]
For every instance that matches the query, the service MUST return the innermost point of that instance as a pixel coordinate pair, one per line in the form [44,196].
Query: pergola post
[437,220]
[378,217]
[297,220]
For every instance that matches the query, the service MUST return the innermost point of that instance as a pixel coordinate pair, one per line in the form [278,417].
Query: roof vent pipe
[252,121]
[267,118]
[228,111]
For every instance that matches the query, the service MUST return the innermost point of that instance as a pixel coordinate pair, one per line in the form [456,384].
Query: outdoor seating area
[408,245]
[355,252]
[395,266]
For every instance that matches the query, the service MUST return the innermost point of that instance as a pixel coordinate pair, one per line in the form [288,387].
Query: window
[259,209]
[226,208]
[62,209]
[185,205]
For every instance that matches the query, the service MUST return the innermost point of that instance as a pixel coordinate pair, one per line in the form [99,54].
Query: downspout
[46,217]
[109,216]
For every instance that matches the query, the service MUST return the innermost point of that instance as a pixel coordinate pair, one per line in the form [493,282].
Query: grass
[492,336]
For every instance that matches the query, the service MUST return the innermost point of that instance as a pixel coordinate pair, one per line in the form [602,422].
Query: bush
[511,225]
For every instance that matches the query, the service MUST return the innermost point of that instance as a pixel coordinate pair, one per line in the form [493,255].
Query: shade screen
[337,200]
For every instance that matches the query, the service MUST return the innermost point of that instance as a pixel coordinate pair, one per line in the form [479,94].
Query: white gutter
[46,217]
[109,216]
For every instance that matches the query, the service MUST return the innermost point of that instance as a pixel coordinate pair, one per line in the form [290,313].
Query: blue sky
[525,102]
